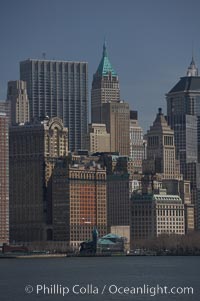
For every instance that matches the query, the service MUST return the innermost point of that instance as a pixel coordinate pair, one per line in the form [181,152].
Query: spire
[160,121]
[192,69]
[192,62]
[104,48]
[105,67]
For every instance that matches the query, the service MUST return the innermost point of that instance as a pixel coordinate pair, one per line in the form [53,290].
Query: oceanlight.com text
[109,289]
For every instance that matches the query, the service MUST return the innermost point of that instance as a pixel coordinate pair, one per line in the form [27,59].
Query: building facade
[59,89]
[17,99]
[34,150]
[161,156]
[4,179]
[182,188]
[97,139]
[105,87]
[116,116]
[118,199]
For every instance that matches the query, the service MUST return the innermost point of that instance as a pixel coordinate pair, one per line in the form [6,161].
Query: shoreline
[18,256]
[38,256]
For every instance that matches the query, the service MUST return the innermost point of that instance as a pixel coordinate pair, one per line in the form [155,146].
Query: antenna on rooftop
[44,55]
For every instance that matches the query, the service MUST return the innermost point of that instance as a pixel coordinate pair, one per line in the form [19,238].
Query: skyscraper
[136,142]
[161,150]
[4,179]
[116,116]
[17,99]
[105,87]
[59,89]
[97,139]
[183,113]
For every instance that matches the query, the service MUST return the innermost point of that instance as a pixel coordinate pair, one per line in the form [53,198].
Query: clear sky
[149,42]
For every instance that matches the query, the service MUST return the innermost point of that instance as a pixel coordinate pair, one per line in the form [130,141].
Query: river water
[100,278]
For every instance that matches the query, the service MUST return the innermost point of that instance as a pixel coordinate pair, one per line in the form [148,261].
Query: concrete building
[34,150]
[153,215]
[136,142]
[183,114]
[116,116]
[17,99]
[79,202]
[161,156]
[59,89]
[4,107]
[4,178]
[105,87]
[97,139]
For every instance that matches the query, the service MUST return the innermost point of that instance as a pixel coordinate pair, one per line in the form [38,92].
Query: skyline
[150,48]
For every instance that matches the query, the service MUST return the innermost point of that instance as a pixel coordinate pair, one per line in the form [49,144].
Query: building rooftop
[160,124]
[159,198]
[111,236]
[105,241]
[52,60]
[105,67]
[167,197]
[187,83]
[191,82]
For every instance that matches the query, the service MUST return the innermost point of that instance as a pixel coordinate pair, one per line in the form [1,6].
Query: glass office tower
[59,89]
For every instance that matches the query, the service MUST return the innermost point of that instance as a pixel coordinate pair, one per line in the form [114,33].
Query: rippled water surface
[102,278]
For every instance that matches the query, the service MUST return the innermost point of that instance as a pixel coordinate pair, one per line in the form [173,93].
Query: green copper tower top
[105,67]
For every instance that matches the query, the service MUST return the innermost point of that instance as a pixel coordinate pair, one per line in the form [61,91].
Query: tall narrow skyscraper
[105,87]
[161,150]
[59,89]
[136,141]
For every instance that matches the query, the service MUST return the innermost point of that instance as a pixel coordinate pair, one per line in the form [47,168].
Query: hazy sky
[149,42]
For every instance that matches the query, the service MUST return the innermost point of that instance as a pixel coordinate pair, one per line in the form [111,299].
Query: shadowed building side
[34,151]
